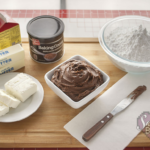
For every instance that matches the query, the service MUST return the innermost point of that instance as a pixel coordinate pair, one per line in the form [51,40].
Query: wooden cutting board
[45,127]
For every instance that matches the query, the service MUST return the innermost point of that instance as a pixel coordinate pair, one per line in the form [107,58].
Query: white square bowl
[66,98]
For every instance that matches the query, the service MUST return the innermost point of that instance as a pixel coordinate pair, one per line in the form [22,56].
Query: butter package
[12,66]
[11,54]
[9,31]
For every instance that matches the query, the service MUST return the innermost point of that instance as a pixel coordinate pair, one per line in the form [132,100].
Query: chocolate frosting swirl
[77,79]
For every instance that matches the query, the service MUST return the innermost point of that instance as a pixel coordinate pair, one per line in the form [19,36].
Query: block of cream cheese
[12,66]
[8,99]
[11,55]
[3,109]
[21,87]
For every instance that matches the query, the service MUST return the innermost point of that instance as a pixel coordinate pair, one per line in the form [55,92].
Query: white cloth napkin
[121,130]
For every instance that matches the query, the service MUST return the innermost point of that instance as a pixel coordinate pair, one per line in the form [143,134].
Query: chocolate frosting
[77,79]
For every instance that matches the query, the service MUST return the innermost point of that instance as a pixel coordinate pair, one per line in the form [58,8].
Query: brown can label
[46,52]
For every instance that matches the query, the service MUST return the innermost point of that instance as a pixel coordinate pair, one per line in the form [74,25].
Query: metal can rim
[60,31]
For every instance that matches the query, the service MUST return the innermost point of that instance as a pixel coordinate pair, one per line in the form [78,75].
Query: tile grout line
[84,20]
[91,22]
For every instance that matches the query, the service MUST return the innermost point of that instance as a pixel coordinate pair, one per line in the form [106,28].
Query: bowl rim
[110,52]
[83,99]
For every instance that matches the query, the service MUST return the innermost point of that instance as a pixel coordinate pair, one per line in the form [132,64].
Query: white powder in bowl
[130,43]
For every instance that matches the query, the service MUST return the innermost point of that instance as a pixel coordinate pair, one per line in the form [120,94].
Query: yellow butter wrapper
[9,31]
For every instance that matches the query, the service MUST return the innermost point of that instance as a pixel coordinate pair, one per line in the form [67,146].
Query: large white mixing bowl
[121,63]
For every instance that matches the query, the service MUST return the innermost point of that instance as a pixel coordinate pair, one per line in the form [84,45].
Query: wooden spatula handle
[99,125]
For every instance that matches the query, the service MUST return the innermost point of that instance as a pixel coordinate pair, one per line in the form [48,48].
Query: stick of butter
[3,109]
[12,66]
[8,100]
[21,87]
[11,55]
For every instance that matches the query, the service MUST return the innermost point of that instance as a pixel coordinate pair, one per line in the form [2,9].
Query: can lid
[45,27]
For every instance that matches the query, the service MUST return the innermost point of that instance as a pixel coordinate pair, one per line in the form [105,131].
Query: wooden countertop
[45,127]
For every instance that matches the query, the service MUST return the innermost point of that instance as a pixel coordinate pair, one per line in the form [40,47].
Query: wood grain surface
[45,127]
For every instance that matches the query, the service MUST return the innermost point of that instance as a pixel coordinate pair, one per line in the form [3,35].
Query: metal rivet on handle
[108,117]
[102,121]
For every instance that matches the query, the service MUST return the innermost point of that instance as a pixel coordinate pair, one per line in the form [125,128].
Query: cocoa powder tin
[46,39]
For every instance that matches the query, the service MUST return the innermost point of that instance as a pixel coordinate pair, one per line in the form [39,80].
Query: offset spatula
[121,106]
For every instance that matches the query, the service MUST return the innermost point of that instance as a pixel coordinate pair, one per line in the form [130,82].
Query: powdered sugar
[130,43]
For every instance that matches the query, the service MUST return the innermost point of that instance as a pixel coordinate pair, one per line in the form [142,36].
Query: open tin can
[46,39]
